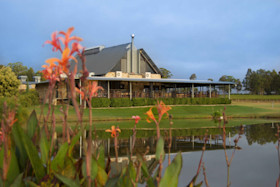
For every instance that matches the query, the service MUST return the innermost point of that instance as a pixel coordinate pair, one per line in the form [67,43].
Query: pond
[254,164]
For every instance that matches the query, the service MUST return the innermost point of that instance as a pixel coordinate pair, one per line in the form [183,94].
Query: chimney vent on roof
[22,78]
[37,78]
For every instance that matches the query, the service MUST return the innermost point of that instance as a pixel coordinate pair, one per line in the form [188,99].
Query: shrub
[29,98]
[140,101]
[100,102]
[120,102]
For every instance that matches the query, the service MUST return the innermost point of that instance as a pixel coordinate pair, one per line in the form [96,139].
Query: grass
[238,112]
[256,97]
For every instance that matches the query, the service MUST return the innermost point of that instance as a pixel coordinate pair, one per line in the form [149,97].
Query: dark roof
[150,61]
[104,61]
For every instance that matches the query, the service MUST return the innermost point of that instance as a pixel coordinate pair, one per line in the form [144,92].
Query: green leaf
[112,182]
[160,149]
[74,141]
[132,171]
[13,168]
[101,176]
[44,147]
[69,169]
[20,150]
[32,153]
[18,181]
[32,124]
[94,169]
[58,162]
[172,172]
[32,184]
[101,158]
[67,181]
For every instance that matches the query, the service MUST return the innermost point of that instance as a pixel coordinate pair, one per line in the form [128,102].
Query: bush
[29,98]
[120,102]
[100,102]
[12,104]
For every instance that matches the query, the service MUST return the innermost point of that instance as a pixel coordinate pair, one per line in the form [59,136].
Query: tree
[165,73]
[193,76]
[210,79]
[8,82]
[262,82]
[30,73]
[18,68]
[228,78]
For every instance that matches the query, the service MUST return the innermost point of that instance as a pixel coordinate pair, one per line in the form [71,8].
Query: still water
[255,164]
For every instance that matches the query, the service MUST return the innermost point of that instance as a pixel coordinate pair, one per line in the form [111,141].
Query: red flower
[136,118]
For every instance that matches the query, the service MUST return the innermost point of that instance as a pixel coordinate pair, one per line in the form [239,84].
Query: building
[125,71]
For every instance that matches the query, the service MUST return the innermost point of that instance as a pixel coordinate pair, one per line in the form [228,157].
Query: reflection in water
[255,165]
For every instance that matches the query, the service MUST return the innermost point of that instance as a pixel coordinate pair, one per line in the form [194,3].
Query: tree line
[19,69]
[262,82]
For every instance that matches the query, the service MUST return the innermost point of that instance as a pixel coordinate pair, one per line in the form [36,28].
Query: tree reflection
[261,134]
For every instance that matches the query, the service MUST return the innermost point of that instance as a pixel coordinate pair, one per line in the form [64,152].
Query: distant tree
[210,79]
[30,73]
[238,85]
[165,73]
[18,68]
[1,65]
[262,82]
[193,76]
[228,78]
[8,82]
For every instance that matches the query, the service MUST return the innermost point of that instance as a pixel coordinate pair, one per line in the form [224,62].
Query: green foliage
[193,76]
[18,68]
[12,103]
[165,73]
[262,82]
[100,102]
[121,102]
[172,172]
[29,98]
[9,83]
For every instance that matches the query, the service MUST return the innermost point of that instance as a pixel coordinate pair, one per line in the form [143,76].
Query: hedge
[126,102]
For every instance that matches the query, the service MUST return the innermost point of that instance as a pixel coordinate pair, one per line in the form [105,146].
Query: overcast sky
[208,38]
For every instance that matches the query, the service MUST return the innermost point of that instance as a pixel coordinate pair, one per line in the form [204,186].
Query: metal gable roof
[178,81]
[103,61]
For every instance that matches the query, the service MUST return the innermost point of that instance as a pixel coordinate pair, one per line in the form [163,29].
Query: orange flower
[67,38]
[51,72]
[90,90]
[64,61]
[162,108]
[136,118]
[93,88]
[113,131]
[54,42]
[150,115]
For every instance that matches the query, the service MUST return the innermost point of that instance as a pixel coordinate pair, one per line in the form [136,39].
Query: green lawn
[184,116]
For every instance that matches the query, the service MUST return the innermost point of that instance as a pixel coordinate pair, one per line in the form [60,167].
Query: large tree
[18,68]
[8,82]
[193,76]
[165,73]
[262,82]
